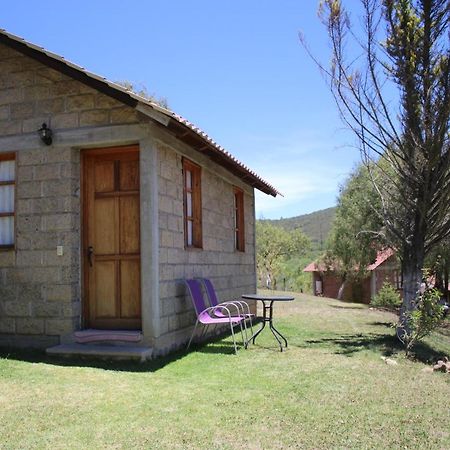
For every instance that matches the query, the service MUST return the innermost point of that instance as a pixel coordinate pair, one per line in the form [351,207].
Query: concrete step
[93,336]
[115,352]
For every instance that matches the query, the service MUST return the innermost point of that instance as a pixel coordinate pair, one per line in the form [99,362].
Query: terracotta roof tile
[382,256]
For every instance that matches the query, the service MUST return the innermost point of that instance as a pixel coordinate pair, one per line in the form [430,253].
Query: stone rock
[389,361]
[443,365]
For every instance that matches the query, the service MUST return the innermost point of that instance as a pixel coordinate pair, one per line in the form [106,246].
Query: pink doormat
[90,335]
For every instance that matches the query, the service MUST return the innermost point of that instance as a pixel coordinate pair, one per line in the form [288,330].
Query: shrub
[425,318]
[387,297]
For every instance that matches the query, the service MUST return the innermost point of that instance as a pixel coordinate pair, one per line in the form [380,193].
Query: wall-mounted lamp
[45,134]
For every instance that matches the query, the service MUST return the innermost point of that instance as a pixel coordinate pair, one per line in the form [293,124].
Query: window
[192,204]
[239,232]
[7,188]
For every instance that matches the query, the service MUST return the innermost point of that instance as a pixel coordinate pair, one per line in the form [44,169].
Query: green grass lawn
[330,389]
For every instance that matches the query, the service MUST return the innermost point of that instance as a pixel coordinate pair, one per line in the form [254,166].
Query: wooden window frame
[196,198]
[239,220]
[10,157]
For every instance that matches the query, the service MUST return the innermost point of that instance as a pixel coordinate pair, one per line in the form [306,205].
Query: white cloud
[296,185]
[304,170]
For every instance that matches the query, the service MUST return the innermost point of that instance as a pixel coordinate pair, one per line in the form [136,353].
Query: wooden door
[111,238]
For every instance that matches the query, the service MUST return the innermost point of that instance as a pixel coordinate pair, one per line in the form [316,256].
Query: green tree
[387,297]
[356,233]
[392,87]
[274,245]
[438,262]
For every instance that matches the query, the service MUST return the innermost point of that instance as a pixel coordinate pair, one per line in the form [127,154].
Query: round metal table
[268,301]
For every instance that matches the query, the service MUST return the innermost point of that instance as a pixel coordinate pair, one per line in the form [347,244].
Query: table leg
[257,333]
[275,332]
[268,317]
[279,334]
[276,337]
[264,320]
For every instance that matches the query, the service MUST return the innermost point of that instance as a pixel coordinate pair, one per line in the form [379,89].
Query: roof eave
[205,146]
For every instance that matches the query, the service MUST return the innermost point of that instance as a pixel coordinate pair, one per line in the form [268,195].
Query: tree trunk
[446,283]
[340,295]
[412,280]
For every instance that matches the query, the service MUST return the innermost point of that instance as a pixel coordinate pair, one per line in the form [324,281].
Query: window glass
[7,189]
[7,170]
[188,179]
[239,239]
[7,230]
[189,204]
[192,201]
[189,233]
[7,199]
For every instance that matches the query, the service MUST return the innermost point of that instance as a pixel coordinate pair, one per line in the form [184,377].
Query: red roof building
[326,281]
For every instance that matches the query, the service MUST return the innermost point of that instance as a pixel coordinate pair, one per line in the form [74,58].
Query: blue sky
[234,68]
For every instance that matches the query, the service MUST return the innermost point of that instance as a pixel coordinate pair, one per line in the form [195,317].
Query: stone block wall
[39,291]
[31,94]
[232,272]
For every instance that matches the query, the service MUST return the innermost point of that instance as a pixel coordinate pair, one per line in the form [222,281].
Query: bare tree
[390,77]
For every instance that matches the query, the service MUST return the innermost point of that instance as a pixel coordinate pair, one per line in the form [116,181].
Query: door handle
[90,252]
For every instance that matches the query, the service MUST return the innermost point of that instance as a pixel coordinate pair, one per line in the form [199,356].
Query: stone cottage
[107,202]
[385,268]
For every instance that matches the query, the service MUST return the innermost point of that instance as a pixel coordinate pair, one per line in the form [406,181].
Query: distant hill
[316,225]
